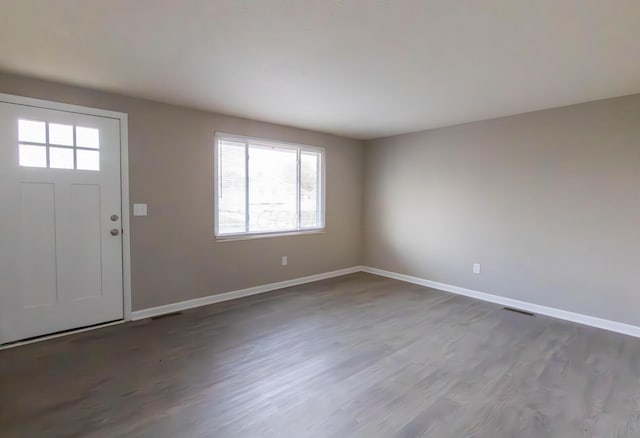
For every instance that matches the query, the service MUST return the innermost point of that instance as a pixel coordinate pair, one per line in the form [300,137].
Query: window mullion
[75,150]
[219,191]
[298,190]
[246,187]
[48,152]
[319,191]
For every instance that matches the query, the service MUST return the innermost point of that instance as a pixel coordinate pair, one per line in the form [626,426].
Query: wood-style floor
[355,356]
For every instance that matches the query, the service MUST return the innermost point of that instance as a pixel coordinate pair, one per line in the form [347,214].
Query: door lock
[114,217]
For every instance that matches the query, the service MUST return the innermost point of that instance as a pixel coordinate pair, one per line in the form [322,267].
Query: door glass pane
[32,156]
[31,131]
[309,189]
[231,187]
[87,137]
[272,189]
[60,158]
[87,160]
[60,134]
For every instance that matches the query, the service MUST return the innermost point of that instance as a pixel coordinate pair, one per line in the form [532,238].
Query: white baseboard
[579,318]
[593,321]
[226,296]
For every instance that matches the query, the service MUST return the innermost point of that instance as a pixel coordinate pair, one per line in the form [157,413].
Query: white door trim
[124,176]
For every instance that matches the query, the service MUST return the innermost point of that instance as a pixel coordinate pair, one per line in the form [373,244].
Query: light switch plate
[139,209]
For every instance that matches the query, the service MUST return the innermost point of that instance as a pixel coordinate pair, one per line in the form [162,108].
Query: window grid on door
[58,146]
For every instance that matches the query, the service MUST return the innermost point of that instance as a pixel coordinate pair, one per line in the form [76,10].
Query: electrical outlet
[284,260]
[476,268]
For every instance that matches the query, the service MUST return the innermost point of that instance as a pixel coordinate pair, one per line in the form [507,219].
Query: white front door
[60,227]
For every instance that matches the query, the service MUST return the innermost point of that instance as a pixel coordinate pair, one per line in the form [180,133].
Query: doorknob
[115,231]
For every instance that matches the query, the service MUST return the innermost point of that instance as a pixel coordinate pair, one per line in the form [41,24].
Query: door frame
[124,182]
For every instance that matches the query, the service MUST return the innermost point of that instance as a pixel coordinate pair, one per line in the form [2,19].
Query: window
[58,146]
[264,187]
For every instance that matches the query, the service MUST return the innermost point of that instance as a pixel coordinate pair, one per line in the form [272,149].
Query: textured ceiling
[359,68]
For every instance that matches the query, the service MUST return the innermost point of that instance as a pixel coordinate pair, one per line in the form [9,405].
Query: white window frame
[220,136]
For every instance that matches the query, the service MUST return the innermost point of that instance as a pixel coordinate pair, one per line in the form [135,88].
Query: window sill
[233,237]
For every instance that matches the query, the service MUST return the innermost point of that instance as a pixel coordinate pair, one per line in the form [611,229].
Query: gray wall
[174,255]
[548,202]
